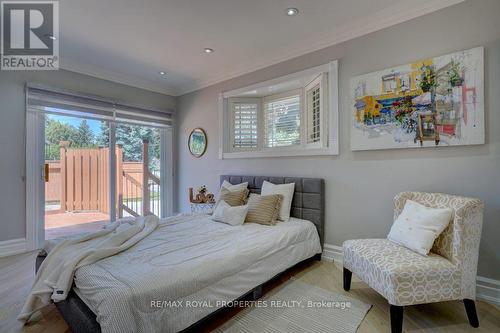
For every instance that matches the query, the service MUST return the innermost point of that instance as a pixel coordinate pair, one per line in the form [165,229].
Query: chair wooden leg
[396,318]
[347,279]
[470,308]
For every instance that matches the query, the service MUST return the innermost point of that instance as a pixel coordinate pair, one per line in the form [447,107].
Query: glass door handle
[46,172]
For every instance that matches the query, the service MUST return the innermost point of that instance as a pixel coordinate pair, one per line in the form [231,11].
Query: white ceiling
[130,41]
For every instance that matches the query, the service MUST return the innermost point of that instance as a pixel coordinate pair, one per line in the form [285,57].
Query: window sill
[281,153]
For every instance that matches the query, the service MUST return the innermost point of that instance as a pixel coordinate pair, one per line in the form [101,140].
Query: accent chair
[405,277]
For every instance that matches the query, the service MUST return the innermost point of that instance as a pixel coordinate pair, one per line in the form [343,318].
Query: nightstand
[202,208]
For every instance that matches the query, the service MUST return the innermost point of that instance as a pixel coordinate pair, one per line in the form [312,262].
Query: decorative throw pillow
[230,215]
[418,226]
[231,187]
[233,198]
[263,209]
[286,190]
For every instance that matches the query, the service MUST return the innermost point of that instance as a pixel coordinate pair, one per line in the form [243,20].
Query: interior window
[288,116]
[282,122]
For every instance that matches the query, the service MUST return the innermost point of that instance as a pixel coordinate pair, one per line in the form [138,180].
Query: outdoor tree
[57,131]
[131,137]
[102,138]
[84,136]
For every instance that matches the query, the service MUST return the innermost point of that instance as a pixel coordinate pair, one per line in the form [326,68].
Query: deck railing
[154,193]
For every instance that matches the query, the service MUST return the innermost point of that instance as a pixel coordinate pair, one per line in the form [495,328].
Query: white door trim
[112,171]
[35,187]
[166,172]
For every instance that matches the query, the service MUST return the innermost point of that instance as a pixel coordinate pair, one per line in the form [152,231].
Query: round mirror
[197,142]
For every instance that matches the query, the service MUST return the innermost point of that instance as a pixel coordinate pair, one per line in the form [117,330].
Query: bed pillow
[263,209]
[286,190]
[231,187]
[233,198]
[418,226]
[230,215]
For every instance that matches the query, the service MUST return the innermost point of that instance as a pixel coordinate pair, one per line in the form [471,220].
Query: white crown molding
[12,247]
[487,289]
[357,28]
[378,21]
[104,74]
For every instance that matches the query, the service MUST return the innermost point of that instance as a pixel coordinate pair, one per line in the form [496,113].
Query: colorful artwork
[433,102]
[197,142]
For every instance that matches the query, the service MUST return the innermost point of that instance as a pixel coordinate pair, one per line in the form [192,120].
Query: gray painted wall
[12,126]
[360,186]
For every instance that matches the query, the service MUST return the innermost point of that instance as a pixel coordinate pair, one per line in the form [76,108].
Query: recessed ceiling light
[292,11]
[208,50]
[162,73]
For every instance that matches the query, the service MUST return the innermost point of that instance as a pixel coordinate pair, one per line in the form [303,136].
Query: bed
[200,264]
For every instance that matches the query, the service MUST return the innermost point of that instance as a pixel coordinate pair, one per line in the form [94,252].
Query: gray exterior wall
[13,124]
[360,186]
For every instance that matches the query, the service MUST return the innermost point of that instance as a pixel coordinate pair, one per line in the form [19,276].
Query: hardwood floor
[17,274]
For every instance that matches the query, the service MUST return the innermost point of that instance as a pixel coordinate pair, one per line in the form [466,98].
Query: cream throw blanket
[55,276]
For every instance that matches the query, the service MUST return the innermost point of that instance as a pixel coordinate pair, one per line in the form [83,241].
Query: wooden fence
[82,181]
[79,181]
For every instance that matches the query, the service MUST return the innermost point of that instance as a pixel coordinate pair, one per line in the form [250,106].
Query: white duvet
[55,276]
[180,273]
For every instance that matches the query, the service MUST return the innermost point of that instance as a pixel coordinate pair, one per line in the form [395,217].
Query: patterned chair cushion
[402,276]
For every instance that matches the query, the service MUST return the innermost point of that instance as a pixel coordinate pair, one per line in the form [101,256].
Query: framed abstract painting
[429,103]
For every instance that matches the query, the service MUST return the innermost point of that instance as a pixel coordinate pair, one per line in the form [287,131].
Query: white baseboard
[12,246]
[487,289]
[332,253]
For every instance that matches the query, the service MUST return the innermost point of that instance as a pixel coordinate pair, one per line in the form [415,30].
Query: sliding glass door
[76,175]
[138,170]
[92,161]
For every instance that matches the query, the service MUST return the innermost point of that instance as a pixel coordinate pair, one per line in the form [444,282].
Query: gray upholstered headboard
[308,199]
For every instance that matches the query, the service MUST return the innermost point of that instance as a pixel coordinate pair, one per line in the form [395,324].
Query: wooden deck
[71,223]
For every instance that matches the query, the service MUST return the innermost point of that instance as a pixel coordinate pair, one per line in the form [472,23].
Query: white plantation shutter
[245,125]
[314,113]
[282,122]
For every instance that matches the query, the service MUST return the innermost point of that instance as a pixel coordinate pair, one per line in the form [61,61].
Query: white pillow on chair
[286,190]
[230,215]
[418,226]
